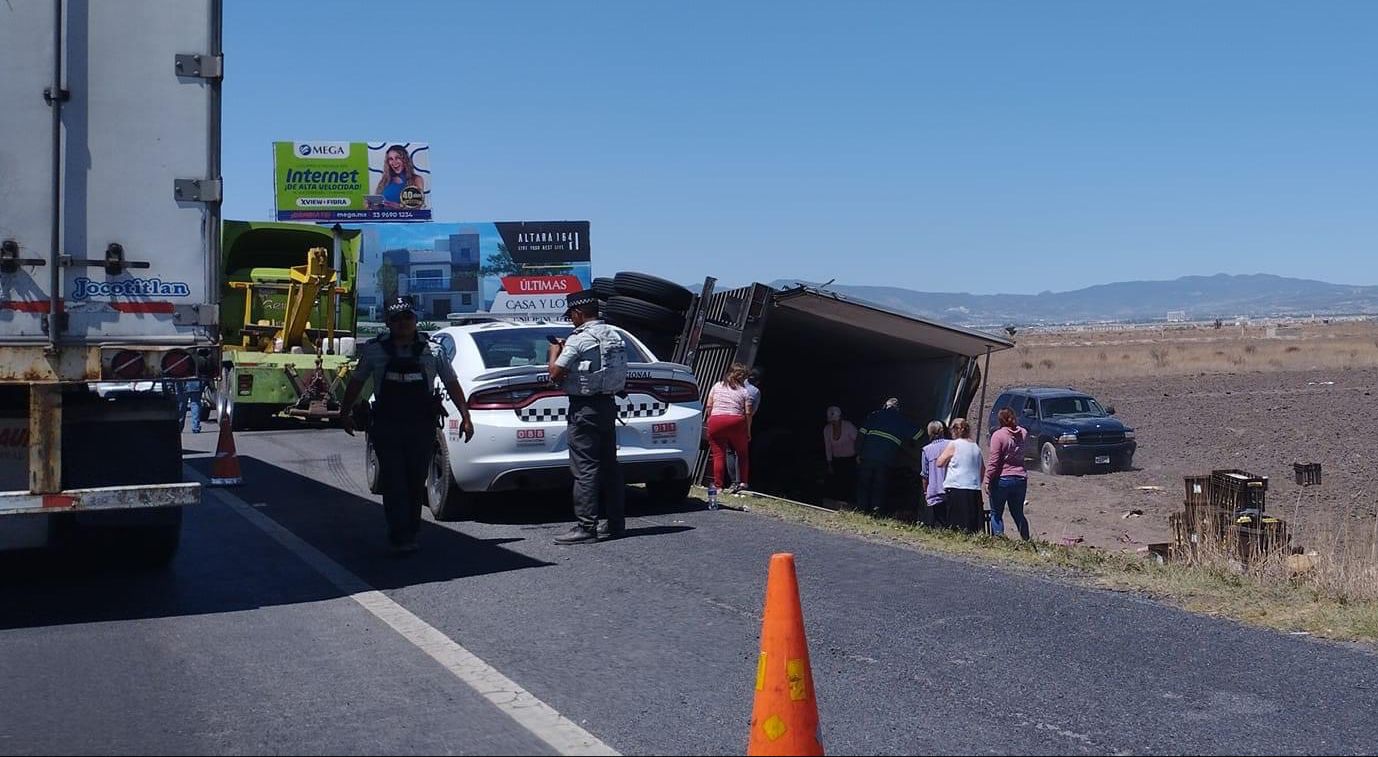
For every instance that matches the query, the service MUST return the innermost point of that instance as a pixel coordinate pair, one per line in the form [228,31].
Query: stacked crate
[1229,507]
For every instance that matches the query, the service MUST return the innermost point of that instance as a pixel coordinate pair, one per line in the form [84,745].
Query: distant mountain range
[1191,297]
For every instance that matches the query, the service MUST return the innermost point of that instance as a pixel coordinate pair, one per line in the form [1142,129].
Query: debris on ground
[1135,513]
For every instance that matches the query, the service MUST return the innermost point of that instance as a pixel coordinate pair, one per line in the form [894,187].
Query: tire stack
[651,308]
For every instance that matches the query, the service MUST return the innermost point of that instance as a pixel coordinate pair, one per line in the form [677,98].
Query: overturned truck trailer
[817,348]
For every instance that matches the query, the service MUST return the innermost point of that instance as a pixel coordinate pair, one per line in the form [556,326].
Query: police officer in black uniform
[406,412]
[591,367]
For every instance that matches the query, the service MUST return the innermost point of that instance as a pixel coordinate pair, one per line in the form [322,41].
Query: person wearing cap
[591,367]
[882,435]
[403,369]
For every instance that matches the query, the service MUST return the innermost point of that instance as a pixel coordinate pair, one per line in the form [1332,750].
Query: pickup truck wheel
[1124,463]
[1048,461]
[654,290]
[443,496]
[371,465]
[632,313]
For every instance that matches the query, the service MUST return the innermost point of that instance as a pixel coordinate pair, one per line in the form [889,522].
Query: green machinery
[288,314]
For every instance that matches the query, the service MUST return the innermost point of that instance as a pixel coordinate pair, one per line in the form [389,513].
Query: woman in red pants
[729,412]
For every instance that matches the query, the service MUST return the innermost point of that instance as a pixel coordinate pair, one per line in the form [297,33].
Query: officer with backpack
[591,367]
[406,413]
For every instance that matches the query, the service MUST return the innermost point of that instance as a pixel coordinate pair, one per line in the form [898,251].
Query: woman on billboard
[400,176]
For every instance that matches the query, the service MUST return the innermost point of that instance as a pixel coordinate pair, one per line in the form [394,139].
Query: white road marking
[542,720]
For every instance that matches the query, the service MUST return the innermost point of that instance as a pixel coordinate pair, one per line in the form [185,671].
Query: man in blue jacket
[881,436]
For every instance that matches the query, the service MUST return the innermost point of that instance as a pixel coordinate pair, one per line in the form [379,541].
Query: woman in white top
[729,411]
[962,484]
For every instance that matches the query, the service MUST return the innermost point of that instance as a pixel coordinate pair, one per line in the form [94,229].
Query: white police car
[520,435]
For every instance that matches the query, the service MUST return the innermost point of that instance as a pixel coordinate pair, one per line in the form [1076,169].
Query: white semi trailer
[109,258]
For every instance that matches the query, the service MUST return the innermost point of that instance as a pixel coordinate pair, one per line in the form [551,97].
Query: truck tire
[443,496]
[153,545]
[654,290]
[633,314]
[1048,461]
[151,453]
[371,465]
[604,289]
[670,493]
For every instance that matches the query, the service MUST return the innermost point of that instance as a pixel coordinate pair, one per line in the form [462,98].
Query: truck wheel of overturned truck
[632,314]
[371,465]
[446,500]
[654,290]
[603,288]
[1048,461]
[670,493]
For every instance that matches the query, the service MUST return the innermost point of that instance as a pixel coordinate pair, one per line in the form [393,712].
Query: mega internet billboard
[516,269]
[324,182]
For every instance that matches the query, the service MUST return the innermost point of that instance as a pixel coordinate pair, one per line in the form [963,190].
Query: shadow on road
[557,506]
[226,564]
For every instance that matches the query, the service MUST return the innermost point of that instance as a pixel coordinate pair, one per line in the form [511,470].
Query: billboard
[516,269]
[326,182]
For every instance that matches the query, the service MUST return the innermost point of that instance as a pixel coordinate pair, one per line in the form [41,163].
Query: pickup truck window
[1063,406]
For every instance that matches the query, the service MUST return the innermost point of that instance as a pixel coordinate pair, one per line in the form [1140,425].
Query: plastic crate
[1198,490]
[1238,490]
[1308,474]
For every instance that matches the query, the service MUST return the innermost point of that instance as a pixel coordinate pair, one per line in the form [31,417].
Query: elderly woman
[962,482]
[839,448]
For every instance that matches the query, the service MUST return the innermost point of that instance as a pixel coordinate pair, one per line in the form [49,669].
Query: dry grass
[1073,355]
[1337,598]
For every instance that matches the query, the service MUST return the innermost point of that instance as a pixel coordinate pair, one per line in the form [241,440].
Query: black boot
[577,535]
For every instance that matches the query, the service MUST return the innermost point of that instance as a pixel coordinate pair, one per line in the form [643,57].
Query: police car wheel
[445,499]
[633,313]
[654,290]
[669,493]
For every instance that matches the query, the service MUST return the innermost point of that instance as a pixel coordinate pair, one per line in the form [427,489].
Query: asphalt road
[648,642]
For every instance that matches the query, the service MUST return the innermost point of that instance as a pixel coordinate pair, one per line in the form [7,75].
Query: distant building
[442,280]
[1176,316]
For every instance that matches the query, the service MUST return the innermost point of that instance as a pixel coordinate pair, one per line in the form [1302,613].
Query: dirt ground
[1310,405]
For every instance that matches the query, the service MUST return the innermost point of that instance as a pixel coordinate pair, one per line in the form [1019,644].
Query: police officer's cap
[583,300]
[399,307]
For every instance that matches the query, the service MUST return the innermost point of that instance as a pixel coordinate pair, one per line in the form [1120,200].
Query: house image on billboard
[442,280]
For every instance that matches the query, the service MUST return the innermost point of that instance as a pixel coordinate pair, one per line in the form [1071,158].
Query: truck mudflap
[100,498]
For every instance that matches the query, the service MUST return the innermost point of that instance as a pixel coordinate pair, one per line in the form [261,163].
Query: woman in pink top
[1005,475]
[729,413]
[839,447]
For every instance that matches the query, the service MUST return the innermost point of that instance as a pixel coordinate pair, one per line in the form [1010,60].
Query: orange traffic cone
[225,469]
[784,719]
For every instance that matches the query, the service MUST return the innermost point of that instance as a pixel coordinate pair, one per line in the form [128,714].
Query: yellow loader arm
[307,282]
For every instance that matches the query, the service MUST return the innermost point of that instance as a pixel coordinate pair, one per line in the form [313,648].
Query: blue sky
[973,146]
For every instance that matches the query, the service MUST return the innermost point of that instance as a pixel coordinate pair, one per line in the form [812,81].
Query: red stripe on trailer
[58,500]
[143,307]
[26,306]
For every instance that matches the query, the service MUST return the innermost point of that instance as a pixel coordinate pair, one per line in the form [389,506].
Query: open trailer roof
[830,310]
